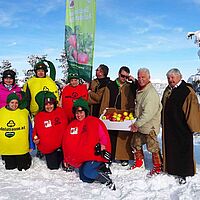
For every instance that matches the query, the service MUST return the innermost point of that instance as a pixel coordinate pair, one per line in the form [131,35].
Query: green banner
[79,36]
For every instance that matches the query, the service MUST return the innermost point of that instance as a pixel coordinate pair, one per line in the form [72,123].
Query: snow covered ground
[40,183]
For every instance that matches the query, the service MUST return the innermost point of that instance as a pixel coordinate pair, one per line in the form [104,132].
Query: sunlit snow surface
[40,183]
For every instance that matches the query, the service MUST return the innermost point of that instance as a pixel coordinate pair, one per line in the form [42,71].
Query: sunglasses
[124,76]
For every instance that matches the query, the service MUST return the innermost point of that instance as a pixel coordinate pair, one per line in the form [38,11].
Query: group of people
[61,130]
[68,132]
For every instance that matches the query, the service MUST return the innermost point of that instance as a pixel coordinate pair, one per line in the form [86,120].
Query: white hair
[174,71]
[144,70]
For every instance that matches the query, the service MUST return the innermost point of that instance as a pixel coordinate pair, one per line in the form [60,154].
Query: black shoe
[69,168]
[182,180]
[124,163]
[105,179]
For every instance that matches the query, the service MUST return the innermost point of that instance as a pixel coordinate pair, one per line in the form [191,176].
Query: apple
[127,118]
[131,118]
[72,40]
[83,58]
[125,113]
[122,117]
[114,116]
[108,116]
[103,117]
[130,114]
[118,118]
[115,113]
[113,119]
[119,115]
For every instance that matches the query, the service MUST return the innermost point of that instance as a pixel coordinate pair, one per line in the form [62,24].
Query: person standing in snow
[50,124]
[15,135]
[120,94]
[97,88]
[86,145]
[180,119]
[147,125]
[8,86]
[40,82]
[71,92]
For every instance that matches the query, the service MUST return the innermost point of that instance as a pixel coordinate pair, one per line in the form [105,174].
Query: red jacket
[69,94]
[50,127]
[80,139]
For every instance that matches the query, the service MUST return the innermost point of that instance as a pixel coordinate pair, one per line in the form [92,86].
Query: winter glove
[105,154]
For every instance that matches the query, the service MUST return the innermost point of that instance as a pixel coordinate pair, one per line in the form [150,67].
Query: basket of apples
[116,119]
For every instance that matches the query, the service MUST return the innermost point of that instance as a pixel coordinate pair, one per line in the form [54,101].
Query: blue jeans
[89,171]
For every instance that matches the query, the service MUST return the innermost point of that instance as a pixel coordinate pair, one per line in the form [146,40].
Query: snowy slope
[40,183]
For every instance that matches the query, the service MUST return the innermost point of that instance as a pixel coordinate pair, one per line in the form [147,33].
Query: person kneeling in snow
[50,124]
[15,135]
[86,145]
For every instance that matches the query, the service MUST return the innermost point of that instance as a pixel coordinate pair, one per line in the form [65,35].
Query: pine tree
[64,65]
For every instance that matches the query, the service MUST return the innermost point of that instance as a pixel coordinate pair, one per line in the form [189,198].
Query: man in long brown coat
[180,119]
[120,94]
[97,88]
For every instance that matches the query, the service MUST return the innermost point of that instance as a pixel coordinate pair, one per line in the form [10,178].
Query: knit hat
[12,96]
[73,75]
[40,65]
[81,103]
[43,97]
[9,74]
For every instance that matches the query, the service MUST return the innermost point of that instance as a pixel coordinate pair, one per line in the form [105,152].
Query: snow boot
[68,168]
[139,160]
[182,180]
[124,163]
[105,179]
[139,164]
[155,171]
[157,164]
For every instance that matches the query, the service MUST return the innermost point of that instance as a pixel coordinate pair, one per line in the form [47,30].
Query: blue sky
[135,33]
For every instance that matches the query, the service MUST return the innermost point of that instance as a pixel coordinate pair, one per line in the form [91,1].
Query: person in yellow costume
[40,82]
[15,135]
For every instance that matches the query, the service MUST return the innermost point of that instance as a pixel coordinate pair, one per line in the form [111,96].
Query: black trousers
[17,161]
[54,159]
